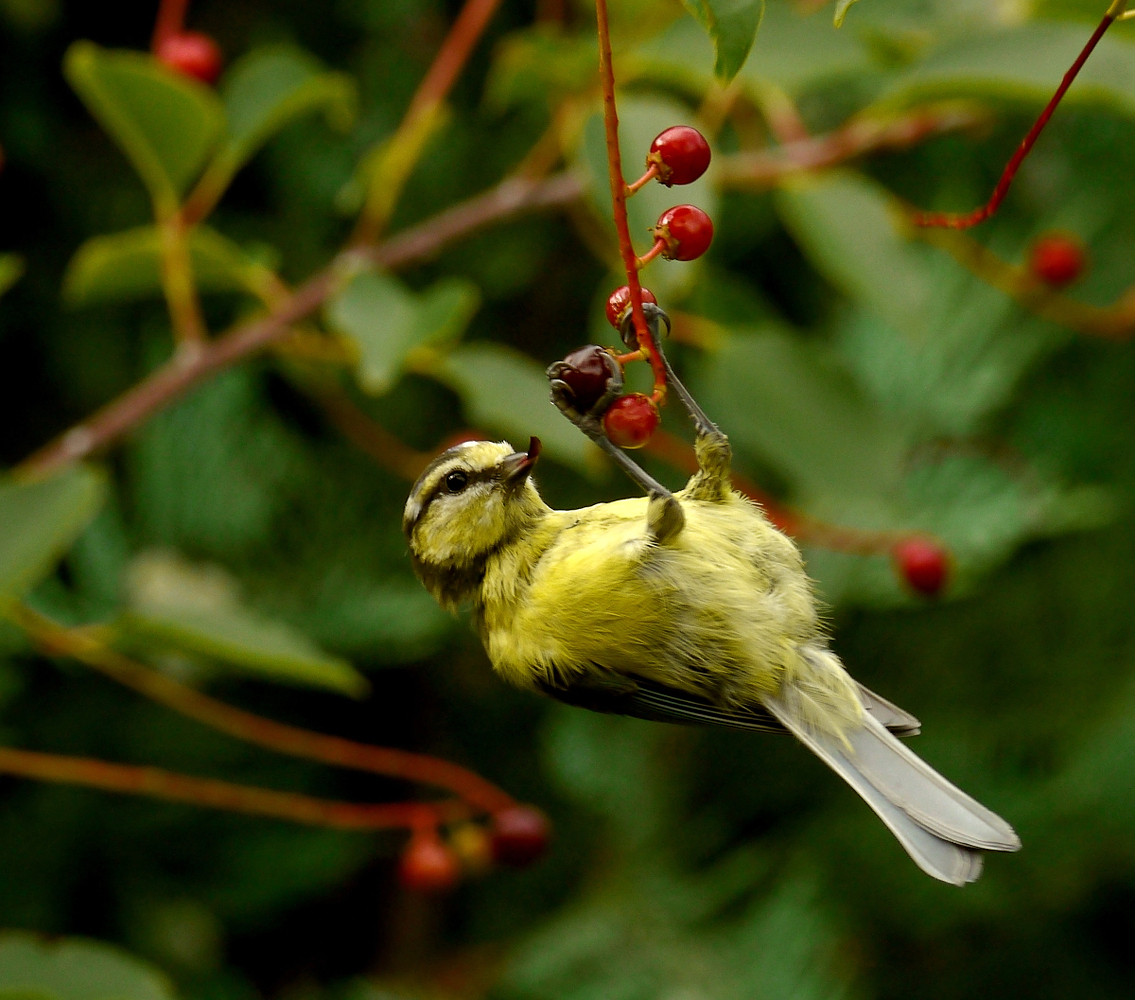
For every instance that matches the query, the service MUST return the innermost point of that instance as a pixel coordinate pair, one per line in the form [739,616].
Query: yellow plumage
[690,608]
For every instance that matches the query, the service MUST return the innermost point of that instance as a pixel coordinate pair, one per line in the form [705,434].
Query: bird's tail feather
[940,826]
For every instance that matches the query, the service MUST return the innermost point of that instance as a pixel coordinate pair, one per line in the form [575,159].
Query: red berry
[428,865]
[681,155]
[620,302]
[687,232]
[586,372]
[520,834]
[191,53]
[1057,259]
[923,563]
[631,420]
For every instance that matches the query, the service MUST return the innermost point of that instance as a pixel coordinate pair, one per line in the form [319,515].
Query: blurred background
[875,383]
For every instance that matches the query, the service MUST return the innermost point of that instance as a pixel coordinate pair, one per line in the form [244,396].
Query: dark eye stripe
[473,477]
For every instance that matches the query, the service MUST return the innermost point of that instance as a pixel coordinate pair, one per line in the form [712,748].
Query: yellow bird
[690,608]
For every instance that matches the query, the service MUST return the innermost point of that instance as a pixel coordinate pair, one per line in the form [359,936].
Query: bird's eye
[457,480]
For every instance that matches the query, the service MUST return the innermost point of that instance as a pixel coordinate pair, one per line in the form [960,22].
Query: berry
[427,864]
[620,302]
[687,232]
[586,372]
[520,834]
[681,155]
[631,420]
[923,564]
[1057,259]
[191,53]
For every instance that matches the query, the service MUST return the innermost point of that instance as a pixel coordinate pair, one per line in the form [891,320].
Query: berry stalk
[619,202]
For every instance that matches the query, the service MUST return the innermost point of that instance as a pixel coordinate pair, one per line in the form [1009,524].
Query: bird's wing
[641,699]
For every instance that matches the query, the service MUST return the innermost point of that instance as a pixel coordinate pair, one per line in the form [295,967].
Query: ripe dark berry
[1057,259]
[687,232]
[586,372]
[923,564]
[520,834]
[631,420]
[620,302]
[681,155]
[428,864]
[191,53]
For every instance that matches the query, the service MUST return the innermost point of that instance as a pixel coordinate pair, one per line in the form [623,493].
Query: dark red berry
[923,563]
[681,155]
[428,864]
[620,302]
[631,420]
[520,834]
[191,53]
[586,372]
[1057,259]
[687,232]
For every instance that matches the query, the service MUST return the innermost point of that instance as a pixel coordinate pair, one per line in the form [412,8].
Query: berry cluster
[517,836]
[589,381]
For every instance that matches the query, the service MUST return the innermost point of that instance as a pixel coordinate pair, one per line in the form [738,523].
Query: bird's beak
[516,467]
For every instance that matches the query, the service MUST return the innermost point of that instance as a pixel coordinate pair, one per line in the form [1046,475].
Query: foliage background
[864,378]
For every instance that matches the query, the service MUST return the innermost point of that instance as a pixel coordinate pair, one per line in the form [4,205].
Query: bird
[689,607]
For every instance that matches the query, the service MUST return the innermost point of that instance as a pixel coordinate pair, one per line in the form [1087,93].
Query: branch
[85,646]
[184,371]
[153,781]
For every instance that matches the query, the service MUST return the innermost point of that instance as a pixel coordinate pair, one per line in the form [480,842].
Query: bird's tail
[941,828]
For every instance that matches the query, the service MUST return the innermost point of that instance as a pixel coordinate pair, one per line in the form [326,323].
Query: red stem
[955,220]
[170,21]
[619,200]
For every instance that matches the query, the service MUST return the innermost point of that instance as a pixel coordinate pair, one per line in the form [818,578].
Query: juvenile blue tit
[689,608]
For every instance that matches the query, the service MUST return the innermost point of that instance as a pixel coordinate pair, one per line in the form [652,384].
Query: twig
[619,201]
[82,645]
[180,289]
[183,372]
[956,220]
[153,781]
[414,130]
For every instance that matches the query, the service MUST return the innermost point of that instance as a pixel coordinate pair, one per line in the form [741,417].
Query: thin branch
[86,647]
[956,220]
[180,289]
[183,372]
[161,784]
[765,169]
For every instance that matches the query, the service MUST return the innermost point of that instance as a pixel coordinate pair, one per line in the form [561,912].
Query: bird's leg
[712,447]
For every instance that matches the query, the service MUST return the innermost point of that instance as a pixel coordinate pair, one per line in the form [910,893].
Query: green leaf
[11,270]
[40,520]
[74,969]
[272,86]
[165,122]
[640,120]
[732,25]
[1025,63]
[197,610]
[841,9]
[849,228]
[505,392]
[386,321]
[127,265]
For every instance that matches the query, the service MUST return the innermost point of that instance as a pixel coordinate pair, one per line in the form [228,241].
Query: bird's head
[466,504]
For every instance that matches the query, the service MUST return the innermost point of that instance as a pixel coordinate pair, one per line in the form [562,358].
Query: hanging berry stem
[619,202]
[170,21]
[955,220]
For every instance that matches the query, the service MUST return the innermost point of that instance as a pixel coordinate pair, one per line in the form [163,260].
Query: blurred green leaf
[732,25]
[271,86]
[386,321]
[165,122]
[505,392]
[1025,63]
[197,609]
[539,64]
[11,269]
[127,265]
[40,520]
[74,969]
